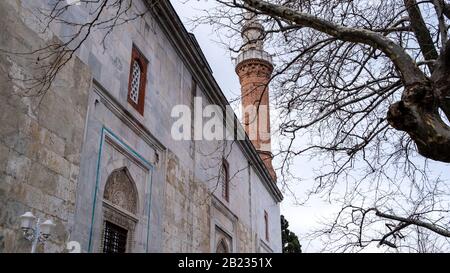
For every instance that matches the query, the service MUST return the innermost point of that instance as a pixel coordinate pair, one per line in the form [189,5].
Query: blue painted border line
[147,164]
[102,137]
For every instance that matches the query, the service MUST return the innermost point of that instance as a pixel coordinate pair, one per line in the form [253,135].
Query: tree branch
[414,221]
[421,32]
[411,74]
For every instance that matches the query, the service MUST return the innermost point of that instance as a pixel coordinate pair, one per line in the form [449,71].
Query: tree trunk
[418,111]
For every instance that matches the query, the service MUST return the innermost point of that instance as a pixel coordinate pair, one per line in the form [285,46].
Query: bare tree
[362,87]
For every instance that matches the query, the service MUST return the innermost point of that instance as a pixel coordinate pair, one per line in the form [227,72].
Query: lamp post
[35,231]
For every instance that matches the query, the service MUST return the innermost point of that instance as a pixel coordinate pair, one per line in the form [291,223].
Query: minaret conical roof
[253,35]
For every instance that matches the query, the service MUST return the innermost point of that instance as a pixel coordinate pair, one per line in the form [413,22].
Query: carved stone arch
[120,209]
[222,246]
[120,190]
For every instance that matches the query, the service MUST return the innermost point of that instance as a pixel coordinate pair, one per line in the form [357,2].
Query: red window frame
[137,56]
[226,192]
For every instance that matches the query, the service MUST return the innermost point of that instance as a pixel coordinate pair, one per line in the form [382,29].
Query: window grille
[115,239]
[135,82]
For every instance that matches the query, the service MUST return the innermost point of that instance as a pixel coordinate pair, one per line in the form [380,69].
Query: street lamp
[34,230]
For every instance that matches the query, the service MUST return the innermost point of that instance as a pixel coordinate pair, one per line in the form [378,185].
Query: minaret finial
[253,33]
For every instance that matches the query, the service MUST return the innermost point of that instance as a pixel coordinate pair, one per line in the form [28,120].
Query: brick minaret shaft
[254,68]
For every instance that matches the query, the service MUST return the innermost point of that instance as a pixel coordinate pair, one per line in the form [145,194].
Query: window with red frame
[224,180]
[137,80]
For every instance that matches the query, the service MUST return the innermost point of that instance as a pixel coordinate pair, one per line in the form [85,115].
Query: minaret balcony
[250,54]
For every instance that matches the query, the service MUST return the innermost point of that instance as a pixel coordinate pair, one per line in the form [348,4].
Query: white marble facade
[164,198]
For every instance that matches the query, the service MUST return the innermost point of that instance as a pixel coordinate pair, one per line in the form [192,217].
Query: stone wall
[187,210]
[40,136]
[40,165]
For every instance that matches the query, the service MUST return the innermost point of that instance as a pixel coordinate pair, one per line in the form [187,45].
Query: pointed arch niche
[120,204]
[222,246]
[224,242]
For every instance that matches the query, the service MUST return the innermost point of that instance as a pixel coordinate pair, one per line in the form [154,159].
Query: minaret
[254,68]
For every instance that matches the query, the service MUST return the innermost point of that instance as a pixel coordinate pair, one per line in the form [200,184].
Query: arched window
[138,80]
[120,190]
[120,207]
[222,247]
[224,180]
